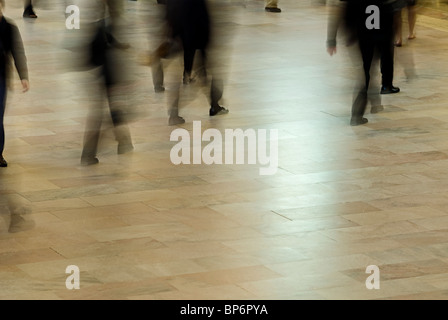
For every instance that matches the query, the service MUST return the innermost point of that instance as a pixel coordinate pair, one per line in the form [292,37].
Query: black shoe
[29,13]
[218,110]
[89,161]
[268,9]
[389,89]
[356,121]
[3,162]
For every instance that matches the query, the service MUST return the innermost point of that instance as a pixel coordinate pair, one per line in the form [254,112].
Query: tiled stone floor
[139,227]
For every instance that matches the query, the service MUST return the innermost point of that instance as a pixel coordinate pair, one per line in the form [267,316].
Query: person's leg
[367,48]
[92,136]
[373,93]
[188,64]
[157,75]
[271,3]
[173,103]
[359,105]
[216,92]
[3,162]
[412,18]
[164,51]
[173,97]
[93,123]
[122,133]
[212,64]
[201,70]
[386,48]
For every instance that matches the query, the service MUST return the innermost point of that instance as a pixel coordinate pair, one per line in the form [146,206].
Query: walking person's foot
[273,9]
[29,13]
[3,162]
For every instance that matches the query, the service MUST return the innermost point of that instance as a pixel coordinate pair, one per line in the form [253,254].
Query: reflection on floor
[139,227]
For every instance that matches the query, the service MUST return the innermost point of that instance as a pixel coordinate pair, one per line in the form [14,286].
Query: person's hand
[331,50]
[25,85]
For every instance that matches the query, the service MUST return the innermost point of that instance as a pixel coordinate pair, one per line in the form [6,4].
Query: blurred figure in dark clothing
[12,52]
[370,25]
[189,23]
[15,210]
[104,56]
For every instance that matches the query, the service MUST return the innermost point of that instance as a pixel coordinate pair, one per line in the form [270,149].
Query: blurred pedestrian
[14,209]
[370,25]
[104,56]
[189,23]
[411,8]
[12,51]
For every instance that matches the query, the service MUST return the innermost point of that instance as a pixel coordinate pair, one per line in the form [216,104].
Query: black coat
[190,21]
[12,49]
[356,16]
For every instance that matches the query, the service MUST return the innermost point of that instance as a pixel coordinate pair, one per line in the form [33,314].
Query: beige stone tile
[421,238]
[415,215]
[297,286]
[324,265]
[28,256]
[388,290]
[373,231]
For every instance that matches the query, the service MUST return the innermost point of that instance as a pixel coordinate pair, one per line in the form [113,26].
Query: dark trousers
[382,48]
[2,113]
[216,86]
[216,92]
[189,55]
[372,49]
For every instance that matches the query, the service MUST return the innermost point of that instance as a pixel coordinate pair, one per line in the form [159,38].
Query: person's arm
[335,16]
[20,60]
